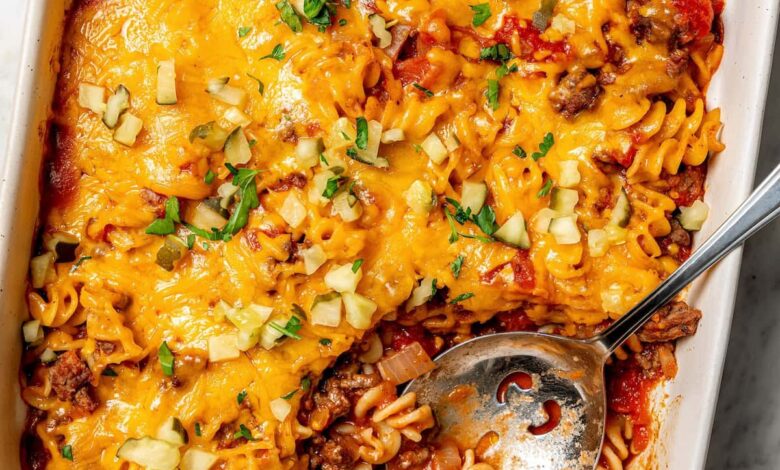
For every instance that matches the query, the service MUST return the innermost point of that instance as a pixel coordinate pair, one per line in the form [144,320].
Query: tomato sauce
[628,393]
[698,15]
[402,336]
[531,41]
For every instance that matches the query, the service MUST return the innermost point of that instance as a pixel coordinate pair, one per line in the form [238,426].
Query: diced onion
[280,408]
[223,348]
[421,294]
[541,220]
[347,206]
[246,340]
[219,89]
[129,128]
[269,336]
[166,82]
[405,365]
[564,200]
[473,196]
[326,310]
[513,232]
[150,453]
[434,148]
[693,217]
[419,197]
[172,431]
[612,299]
[342,134]
[48,356]
[378,27]
[598,242]
[308,150]
[293,211]
[563,25]
[237,150]
[451,142]
[616,235]
[569,175]
[197,459]
[319,184]
[205,217]
[393,135]
[237,117]
[41,269]
[371,153]
[250,317]
[565,230]
[226,191]
[313,258]
[359,310]
[32,331]
[343,278]
[92,97]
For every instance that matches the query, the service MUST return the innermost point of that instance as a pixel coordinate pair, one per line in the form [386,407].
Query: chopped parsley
[481,13]
[247,188]
[165,356]
[332,186]
[357,264]
[457,265]
[252,143]
[434,289]
[486,220]
[323,159]
[545,189]
[241,397]
[417,148]
[290,329]
[498,52]
[209,178]
[243,431]
[519,151]
[78,263]
[461,215]
[544,147]
[312,8]
[166,225]
[289,395]
[493,91]
[319,13]
[362,133]
[197,429]
[461,298]
[67,452]
[277,53]
[109,372]
[305,384]
[289,16]
[453,231]
[342,22]
[326,341]
[504,70]
[347,3]
[190,241]
[243,31]
[260,85]
[425,91]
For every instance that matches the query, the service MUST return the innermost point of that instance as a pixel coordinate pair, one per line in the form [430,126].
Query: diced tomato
[698,14]
[628,392]
[530,39]
[402,336]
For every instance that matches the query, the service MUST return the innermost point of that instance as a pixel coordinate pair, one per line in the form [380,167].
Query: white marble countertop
[746,434]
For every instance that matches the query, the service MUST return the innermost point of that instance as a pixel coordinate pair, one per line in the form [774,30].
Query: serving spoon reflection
[537,401]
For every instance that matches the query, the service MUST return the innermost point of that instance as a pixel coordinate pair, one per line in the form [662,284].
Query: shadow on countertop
[746,432]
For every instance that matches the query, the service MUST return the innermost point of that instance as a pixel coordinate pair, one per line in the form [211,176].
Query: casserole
[724,207]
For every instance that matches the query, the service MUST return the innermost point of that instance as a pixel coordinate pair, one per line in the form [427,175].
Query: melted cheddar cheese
[585,90]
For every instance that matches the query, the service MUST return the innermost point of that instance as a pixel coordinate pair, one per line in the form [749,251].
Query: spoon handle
[759,209]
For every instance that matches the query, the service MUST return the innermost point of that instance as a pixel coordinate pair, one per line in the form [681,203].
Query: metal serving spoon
[537,401]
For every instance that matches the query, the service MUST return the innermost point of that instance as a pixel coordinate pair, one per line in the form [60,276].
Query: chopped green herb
[497,52]
[305,384]
[425,91]
[453,231]
[245,180]
[457,265]
[519,151]
[289,395]
[342,22]
[290,329]
[545,189]
[205,245]
[252,143]
[481,13]
[434,289]
[289,16]
[201,131]
[190,241]
[362,133]
[67,452]
[323,159]
[347,3]
[243,31]
[166,225]
[109,372]
[241,397]
[197,429]
[345,136]
[165,356]
[504,70]
[544,147]
[312,8]
[78,263]
[417,148]
[260,85]
[486,220]
[461,215]
[462,297]
[277,53]
[477,237]
[332,186]
[326,341]
[492,94]
[243,431]
[298,310]
[357,264]
[209,178]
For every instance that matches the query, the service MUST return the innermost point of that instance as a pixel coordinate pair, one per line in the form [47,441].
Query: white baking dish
[689,404]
